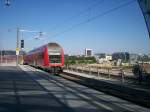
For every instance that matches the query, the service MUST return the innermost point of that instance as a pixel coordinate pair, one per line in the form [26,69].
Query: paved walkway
[8,64]
[26,89]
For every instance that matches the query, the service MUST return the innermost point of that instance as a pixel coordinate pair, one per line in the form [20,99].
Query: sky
[106,26]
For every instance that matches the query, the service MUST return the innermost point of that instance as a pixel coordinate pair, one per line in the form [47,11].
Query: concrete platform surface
[25,89]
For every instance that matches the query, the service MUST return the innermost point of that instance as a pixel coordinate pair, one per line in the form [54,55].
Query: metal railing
[120,74]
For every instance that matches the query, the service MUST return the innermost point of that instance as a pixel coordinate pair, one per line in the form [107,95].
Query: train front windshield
[54,57]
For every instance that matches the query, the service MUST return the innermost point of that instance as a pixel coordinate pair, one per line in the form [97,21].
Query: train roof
[51,46]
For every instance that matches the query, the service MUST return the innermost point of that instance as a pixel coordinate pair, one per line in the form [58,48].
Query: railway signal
[22,43]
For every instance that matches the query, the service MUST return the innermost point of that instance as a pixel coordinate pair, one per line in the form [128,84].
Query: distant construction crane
[7,2]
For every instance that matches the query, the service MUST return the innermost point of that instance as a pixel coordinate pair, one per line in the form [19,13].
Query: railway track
[132,94]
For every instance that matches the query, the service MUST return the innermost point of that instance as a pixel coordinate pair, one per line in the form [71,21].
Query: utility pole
[22,42]
[17,47]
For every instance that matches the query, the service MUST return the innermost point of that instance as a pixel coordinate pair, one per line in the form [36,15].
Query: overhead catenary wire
[88,9]
[88,20]
[85,11]
[94,17]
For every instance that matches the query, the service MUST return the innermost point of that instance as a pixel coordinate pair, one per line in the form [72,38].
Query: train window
[41,55]
[55,58]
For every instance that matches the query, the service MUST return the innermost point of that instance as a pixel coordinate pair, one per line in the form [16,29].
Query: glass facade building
[124,56]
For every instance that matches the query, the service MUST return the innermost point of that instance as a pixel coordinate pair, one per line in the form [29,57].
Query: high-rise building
[88,52]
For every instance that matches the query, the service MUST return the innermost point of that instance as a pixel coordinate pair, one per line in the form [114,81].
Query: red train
[49,57]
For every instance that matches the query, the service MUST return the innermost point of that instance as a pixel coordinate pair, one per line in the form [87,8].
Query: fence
[8,60]
[119,74]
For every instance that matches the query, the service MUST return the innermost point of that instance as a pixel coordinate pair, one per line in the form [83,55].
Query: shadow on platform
[19,92]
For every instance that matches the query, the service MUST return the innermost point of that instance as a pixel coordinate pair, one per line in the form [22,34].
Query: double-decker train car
[49,57]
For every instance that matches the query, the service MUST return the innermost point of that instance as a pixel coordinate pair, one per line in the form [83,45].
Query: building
[88,52]
[7,56]
[123,56]
[100,55]
[108,57]
[148,55]
[10,56]
[133,58]
[103,58]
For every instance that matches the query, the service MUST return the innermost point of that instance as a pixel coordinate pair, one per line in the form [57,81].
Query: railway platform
[26,89]
[8,64]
